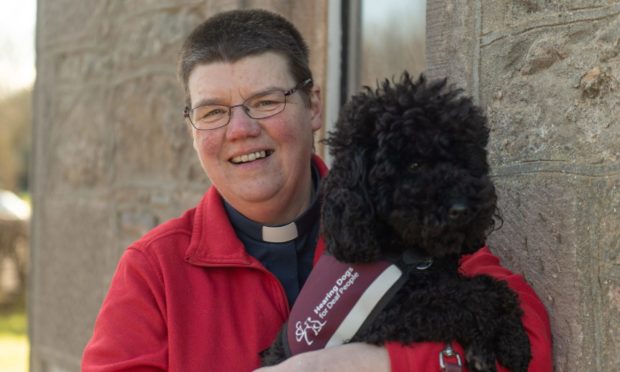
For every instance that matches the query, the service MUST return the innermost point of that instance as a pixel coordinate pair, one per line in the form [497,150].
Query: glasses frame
[187,111]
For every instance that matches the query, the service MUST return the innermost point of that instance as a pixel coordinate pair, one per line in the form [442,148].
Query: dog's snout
[458,211]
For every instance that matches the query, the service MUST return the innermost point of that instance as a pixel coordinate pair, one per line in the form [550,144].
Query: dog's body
[410,172]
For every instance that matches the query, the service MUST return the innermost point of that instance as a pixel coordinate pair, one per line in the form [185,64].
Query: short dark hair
[233,35]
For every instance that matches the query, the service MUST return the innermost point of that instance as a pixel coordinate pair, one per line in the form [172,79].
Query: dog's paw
[513,350]
[480,360]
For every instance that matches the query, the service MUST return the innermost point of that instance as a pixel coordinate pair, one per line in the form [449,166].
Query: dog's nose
[458,211]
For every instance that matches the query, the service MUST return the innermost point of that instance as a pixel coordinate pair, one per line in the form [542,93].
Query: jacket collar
[214,242]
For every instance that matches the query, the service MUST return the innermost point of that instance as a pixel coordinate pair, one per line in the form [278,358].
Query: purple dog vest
[337,300]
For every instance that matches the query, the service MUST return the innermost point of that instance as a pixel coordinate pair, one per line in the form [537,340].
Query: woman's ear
[349,223]
[316,108]
[194,142]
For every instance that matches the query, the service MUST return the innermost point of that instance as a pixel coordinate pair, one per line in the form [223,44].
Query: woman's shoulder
[171,235]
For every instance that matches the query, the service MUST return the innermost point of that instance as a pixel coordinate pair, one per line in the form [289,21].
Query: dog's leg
[502,333]
[480,357]
[275,354]
[513,345]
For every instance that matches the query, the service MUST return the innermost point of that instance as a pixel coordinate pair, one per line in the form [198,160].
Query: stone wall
[112,154]
[547,74]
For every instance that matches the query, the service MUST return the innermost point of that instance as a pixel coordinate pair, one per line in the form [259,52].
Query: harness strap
[340,300]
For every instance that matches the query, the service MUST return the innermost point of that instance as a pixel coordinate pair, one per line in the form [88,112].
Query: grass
[13,341]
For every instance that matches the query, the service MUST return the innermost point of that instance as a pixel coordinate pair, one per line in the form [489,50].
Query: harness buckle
[447,366]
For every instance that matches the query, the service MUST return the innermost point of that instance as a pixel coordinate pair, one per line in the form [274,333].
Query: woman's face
[273,189]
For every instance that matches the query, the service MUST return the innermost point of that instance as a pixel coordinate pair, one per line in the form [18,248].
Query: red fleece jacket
[187,297]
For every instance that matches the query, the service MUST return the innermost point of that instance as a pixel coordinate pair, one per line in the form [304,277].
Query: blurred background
[17,74]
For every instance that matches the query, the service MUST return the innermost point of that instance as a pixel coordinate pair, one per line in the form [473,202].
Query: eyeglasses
[261,106]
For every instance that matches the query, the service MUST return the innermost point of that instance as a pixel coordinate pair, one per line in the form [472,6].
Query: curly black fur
[410,171]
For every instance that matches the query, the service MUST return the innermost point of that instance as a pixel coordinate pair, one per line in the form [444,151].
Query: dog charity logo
[335,301]
[301,331]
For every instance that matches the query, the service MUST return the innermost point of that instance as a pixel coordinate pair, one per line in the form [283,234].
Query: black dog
[410,173]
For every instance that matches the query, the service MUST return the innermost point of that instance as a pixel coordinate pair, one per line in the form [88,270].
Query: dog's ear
[349,223]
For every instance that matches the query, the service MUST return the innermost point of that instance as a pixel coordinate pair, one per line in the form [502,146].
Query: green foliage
[13,323]
[15,140]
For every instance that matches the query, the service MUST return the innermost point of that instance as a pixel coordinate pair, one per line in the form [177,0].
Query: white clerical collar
[280,234]
[275,234]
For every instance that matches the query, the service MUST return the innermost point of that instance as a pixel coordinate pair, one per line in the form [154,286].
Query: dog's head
[410,171]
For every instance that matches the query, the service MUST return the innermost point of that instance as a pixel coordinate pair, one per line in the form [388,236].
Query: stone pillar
[112,154]
[546,73]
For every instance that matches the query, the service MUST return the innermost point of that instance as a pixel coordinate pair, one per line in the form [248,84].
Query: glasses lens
[209,116]
[265,105]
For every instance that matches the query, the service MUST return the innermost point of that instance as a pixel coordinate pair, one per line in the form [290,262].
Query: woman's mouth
[245,158]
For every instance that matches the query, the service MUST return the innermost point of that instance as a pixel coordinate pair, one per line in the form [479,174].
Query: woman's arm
[130,331]
[354,357]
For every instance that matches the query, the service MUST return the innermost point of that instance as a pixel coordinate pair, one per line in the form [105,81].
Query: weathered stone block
[452,43]
[151,138]
[551,94]
[600,221]
[609,337]
[558,229]
[80,141]
[539,242]
[139,208]
[68,272]
[511,16]
[145,38]
[67,21]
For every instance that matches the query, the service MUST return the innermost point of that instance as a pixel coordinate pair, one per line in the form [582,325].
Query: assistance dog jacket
[188,297]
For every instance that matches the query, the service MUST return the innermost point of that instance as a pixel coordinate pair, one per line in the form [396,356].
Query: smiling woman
[272,189]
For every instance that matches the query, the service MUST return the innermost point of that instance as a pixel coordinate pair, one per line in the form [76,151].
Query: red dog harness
[339,300]
[336,301]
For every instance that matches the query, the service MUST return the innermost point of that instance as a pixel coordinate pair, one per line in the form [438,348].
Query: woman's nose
[241,124]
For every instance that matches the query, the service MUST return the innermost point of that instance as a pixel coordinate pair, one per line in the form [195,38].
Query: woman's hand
[356,357]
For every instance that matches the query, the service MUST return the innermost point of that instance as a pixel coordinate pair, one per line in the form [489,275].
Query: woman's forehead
[243,78]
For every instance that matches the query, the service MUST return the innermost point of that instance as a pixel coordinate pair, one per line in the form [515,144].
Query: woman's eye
[266,103]
[212,112]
